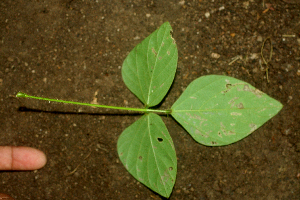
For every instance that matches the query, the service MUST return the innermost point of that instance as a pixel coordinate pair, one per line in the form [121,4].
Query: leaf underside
[149,69]
[220,110]
[147,152]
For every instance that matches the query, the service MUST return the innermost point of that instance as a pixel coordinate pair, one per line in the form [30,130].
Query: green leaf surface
[220,110]
[147,152]
[149,69]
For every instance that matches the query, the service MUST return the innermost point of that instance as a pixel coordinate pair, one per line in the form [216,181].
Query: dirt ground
[74,49]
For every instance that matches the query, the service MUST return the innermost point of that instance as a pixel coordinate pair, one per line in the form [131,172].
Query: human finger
[21,158]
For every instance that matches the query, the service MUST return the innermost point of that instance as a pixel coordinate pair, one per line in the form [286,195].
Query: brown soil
[74,49]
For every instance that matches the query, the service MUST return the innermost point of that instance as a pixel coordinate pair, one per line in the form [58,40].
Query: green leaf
[147,152]
[220,110]
[149,69]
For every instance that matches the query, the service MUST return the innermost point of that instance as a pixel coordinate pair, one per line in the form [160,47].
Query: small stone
[148,15]
[298,40]
[215,55]
[246,4]
[254,56]
[207,15]
[287,131]
[221,8]
[181,3]
[259,39]
[298,72]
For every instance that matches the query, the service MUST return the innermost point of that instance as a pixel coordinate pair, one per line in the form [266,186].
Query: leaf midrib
[216,110]
[153,151]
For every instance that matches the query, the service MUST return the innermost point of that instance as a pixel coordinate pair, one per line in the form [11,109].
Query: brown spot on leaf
[240,106]
[153,51]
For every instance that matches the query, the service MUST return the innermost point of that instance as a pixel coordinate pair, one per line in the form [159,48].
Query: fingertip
[27,158]
[40,158]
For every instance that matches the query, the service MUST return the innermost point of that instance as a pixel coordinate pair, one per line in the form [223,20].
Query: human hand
[21,158]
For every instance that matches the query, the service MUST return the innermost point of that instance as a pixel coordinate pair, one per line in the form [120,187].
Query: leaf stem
[23,95]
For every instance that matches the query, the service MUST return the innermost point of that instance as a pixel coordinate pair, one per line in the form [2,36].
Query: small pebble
[259,38]
[246,4]
[254,56]
[181,3]
[215,55]
[221,8]
[207,15]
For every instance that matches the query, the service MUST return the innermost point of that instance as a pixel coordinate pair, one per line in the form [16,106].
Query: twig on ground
[270,57]
[72,172]
[234,59]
